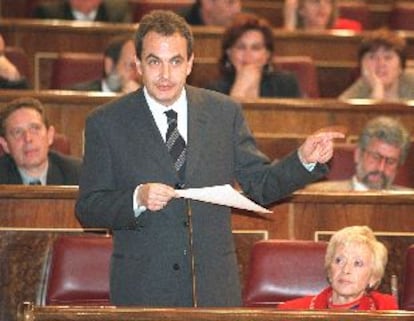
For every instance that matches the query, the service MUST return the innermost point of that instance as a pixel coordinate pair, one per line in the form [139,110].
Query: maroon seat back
[355,10]
[407,302]
[401,16]
[281,270]
[71,68]
[305,70]
[79,271]
[140,8]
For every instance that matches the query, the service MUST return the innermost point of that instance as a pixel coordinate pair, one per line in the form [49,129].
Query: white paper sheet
[222,195]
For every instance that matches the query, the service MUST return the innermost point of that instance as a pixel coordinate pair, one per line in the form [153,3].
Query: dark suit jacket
[63,170]
[274,84]
[93,85]
[108,11]
[151,259]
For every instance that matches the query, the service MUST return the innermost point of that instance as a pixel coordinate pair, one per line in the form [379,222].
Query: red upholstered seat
[75,67]
[305,70]
[407,302]
[79,271]
[281,270]
[401,16]
[357,11]
[141,7]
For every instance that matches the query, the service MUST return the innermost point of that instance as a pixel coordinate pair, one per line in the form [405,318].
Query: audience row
[290,14]
[247,67]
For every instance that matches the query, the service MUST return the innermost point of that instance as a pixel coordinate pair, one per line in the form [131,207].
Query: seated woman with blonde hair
[355,263]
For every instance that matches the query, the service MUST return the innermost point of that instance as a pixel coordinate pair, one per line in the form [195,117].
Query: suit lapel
[198,117]
[143,125]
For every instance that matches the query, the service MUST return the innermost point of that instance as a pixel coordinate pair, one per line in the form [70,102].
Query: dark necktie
[35,182]
[175,143]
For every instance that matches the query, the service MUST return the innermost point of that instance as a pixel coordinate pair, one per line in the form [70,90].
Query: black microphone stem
[191,244]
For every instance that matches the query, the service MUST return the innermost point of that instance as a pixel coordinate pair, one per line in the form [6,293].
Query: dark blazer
[93,85]
[63,170]
[151,259]
[274,84]
[108,11]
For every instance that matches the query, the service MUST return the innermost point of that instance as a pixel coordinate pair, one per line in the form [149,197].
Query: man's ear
[138,66]
[4,145]
[108,65]
[190,64]
[50,135]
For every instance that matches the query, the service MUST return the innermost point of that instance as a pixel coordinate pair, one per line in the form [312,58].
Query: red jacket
[349,24]
[372,301]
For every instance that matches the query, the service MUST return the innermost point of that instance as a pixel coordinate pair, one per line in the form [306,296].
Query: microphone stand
[192,258]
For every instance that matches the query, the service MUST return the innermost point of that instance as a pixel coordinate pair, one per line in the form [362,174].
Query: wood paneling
[68,110]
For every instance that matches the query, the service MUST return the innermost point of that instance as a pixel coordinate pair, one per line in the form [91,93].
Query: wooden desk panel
[207,314]
[297,217]
[68,110]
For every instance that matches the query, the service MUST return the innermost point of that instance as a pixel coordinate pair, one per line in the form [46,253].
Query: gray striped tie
[175,144]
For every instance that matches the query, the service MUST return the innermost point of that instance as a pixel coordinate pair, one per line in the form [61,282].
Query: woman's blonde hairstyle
[359,235]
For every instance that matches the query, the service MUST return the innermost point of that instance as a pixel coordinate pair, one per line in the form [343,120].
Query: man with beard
[381,149]
[119,73]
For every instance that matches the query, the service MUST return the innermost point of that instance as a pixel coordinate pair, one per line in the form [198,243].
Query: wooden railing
[50,313]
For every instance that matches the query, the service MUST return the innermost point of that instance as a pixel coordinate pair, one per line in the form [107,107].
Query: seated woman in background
[382,59]
[246,62]
[316,15]
[354,262]
[10,77]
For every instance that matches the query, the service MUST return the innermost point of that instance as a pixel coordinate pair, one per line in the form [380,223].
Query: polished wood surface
[36,36]
[297,217]
[68,110]
[206,314]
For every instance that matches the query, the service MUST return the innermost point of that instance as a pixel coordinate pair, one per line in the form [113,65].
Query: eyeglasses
[19,132]
[378,158]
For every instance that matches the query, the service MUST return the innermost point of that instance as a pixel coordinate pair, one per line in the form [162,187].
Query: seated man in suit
[382,147]
[25,136]
[10,77]
[212,12]
[119,71]
[85,10]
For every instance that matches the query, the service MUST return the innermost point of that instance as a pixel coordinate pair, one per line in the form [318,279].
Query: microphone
[192,257]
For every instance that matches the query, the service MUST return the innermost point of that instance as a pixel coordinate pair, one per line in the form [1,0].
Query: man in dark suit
[85,10]
[169,251]
[25,136]
[119,70]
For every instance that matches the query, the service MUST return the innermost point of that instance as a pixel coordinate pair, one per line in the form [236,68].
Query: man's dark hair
[16,104]
[387,39]
[165,23]
[114,47]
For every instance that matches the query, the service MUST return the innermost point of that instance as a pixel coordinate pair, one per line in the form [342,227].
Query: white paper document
[222,195]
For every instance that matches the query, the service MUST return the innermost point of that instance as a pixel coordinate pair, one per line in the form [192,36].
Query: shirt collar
[26,178]
[156,107]
[358,186]
[85,17]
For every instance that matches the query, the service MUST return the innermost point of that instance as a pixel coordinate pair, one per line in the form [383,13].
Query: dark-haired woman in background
[246,62]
